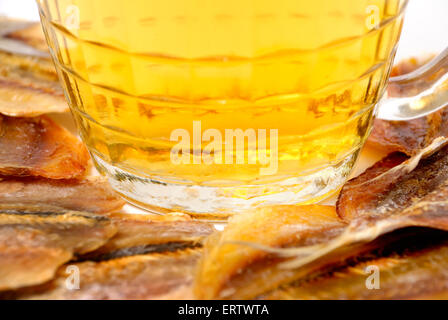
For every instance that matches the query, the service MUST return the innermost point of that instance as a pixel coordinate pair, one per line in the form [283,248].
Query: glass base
[218,203]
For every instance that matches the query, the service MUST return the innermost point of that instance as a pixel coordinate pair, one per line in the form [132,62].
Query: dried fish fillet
[230,269]
[92,194]
[411,136]
[40,147]
[411,194]
[29,86]
[150,276]
[410,64]
[34,244]
[29,33]
[141,234]
[417,187]
[414,270]
[28,80]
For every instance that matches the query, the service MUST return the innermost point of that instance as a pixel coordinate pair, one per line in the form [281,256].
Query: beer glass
[212,107]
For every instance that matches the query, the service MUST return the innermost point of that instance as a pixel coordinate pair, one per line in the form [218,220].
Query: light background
[425,29]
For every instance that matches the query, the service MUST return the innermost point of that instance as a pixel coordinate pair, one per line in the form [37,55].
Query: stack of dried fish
[41,162]
[383,218]
[55,217]
[117,256]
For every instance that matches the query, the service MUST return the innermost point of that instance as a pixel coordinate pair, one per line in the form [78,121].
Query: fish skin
[234,271]
[22,37]
[33,244]
[92,194]
[160,276]
[40,147]
[103,255]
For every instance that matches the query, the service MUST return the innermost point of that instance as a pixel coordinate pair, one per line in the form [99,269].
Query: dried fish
[229,269]
[35,243]
[417,188]
[122,267]
[411,136]
[150,276]
[40,147]
[413,269]
[92,194]
[410,64]
[411,194]
[22,37]
[28,80]
[29,33]
[251,256]
[29,86]
[141,234]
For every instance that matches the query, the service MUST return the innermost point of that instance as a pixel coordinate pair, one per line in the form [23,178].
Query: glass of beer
[214,107]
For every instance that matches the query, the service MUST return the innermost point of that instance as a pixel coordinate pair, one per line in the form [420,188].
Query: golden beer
[288,86]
